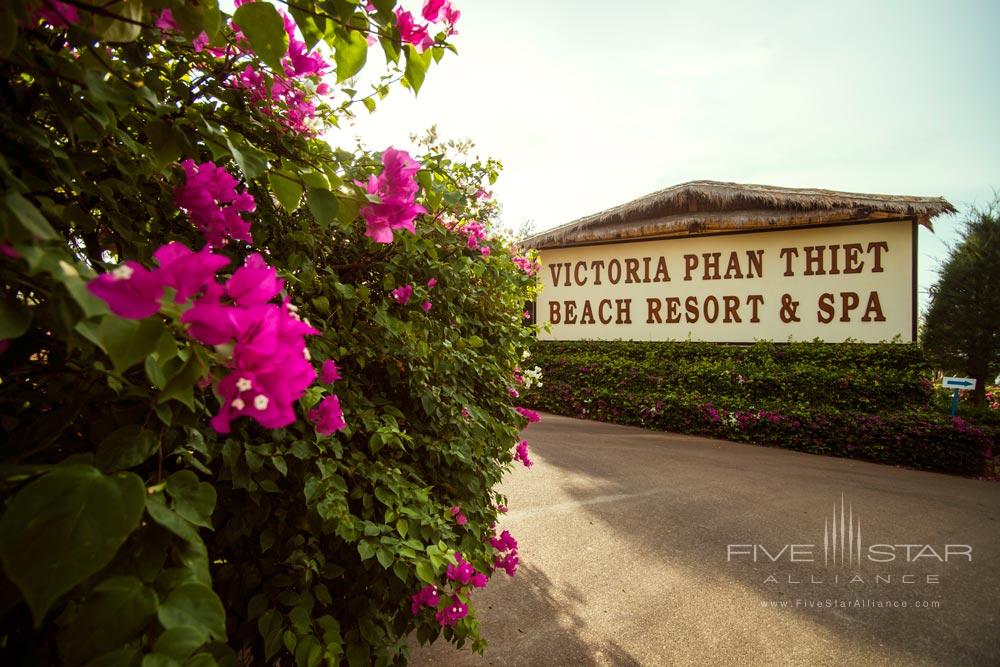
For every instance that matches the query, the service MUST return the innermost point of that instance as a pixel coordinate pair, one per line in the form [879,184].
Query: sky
[591,104]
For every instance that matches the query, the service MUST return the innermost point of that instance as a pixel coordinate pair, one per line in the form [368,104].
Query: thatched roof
[701,207]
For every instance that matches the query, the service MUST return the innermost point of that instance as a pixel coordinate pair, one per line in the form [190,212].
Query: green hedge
[873,402]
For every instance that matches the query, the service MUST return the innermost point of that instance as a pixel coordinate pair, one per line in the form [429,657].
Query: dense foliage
[853,400]
[256,391]
[962,328]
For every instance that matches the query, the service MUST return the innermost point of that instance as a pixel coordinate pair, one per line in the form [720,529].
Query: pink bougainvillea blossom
[527,265]
[411,32]
[521,454]
[328,416]
[426,305]
[453,613]
[431,283]
[485,251]
[165,21]
[505,542]
[329,372]
[502,509]
[57,14]
[200,42]
[465,413]
[460,519]
[479,580]
[530,415]
[396,187]
[9,251]
[402,294]
[254,283]
[210,198]
[508,563]
[432,9]
[513,393]
[428,596]
[188,272]
[131,291]
[462,571]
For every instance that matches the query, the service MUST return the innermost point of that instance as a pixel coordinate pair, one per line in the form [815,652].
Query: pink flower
[513,393]
[462,571]
[485,250]
[465,413]
[479,580]
[508,563]
[451,614]
[165,21]
[526,314]
[327,416]
[57,14]
[402,294]
[451,15]
[200,42]
[410,32]
[460,519]
[432,8]
[431,283]
[528,266]
[426,305]
[427,596]
[329,373]
[9,251]
[188,272]
[521,454]
[530,415]
[502,509]
[254,283]
[210,198]
[505,542]
[131,291]
[397,188]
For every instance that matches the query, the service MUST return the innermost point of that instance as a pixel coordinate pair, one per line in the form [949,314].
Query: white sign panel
[959,383]
[833,283]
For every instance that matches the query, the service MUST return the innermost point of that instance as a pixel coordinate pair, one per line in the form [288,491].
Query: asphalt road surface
[625,559]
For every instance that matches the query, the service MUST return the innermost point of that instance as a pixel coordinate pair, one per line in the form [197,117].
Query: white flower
[260,402]
[123,272]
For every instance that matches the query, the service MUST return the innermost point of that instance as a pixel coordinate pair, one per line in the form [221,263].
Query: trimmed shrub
[854,400]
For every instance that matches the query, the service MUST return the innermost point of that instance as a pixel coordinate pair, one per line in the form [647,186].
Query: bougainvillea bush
[874,402]
[256,390]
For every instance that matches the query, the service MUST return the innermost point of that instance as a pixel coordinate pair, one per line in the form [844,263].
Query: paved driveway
[623,538]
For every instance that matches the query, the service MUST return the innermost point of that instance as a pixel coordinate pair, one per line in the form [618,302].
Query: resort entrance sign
[737,275]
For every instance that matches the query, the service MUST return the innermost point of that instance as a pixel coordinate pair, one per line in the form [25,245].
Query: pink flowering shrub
[256,370]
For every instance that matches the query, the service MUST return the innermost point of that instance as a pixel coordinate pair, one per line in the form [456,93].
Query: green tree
[962,328]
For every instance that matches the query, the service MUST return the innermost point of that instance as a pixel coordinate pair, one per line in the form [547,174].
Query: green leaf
[115,30]
[31,219]
[365,550]
[156,505]
[350,52]
[416,67]
[159,660]
[269,625]
[402,526]
[14,319]
[384,557]
[128,342]
[8,30]
[165,143]
[288,191]
[126,448]
[180,387]
[313,27]
[323,204]
[180,642]
[193,499]
[123,657]
[196,606]
[425,571]
[251,160]
[265,30]
[64,527]
[113,614]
